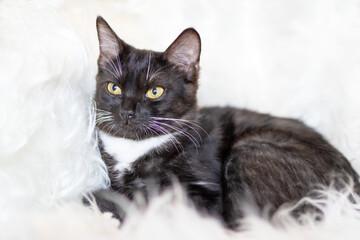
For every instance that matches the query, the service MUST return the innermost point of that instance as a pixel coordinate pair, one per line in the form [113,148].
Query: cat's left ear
[184,52]
[110,44]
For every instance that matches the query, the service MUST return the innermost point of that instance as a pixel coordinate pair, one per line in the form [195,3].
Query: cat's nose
[128,114]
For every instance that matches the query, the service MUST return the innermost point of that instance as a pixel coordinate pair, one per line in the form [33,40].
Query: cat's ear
[110,45]
[184,52]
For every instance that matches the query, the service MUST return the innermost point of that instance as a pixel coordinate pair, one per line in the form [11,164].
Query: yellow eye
[113,89]
[154,92]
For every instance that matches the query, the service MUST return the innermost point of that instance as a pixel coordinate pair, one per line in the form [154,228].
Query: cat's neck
[126,151]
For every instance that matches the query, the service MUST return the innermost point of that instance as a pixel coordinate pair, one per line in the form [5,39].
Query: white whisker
[187,123]
[148,69]
[173,139]
[156,73]
[182,132]
[116,71]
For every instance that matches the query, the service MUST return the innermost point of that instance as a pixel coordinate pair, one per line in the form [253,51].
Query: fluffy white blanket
[297,59]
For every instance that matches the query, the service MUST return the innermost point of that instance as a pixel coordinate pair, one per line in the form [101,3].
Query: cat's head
[142,93]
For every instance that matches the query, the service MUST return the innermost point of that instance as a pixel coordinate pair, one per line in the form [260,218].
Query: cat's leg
[263,175]
[108,201]
[234,191]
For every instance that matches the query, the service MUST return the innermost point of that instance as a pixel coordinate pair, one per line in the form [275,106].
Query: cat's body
[151,133]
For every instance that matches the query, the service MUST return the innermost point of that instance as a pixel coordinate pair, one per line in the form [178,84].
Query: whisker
[191,137]
[150,130]
[179,123]
[185,122]
[119,65]
[116,72]
[111,73]
[108,125]
[189,126]
[103,116]
[148,69]
[156,73]
[102,110]
[116,69]
[113,126]
[147,129]
[106,118]
[164,131]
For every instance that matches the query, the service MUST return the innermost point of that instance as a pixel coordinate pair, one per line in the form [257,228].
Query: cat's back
[245,121]
[277,145]
[243,124]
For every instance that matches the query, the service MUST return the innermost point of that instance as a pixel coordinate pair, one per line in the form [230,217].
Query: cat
[152,134]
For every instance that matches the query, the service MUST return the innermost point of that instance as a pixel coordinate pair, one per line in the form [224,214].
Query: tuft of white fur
[46,150]
[289,58]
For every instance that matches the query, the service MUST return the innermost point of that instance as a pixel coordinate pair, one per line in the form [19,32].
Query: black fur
[228,158]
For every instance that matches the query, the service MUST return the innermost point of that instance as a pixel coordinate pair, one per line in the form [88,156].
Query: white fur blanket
[293,58]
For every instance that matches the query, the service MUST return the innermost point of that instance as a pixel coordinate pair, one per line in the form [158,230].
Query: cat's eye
[155,92]
[113,88]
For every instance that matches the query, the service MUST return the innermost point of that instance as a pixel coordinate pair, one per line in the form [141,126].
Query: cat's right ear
[184,52]
[110,45]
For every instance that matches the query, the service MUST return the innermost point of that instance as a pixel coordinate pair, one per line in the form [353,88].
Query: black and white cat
[152,133]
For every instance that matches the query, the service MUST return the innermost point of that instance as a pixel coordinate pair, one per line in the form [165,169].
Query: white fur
[108,43]
[290,58]
[126,151]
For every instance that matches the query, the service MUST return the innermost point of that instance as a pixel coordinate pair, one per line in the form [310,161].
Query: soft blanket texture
[297,59]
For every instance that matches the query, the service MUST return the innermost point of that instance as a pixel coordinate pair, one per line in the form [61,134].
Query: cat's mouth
[136,129]
[124,130]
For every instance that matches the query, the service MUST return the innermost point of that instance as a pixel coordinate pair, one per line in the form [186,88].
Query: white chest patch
[126,151]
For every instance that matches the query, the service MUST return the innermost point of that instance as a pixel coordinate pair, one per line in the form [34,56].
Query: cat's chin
[129,132]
